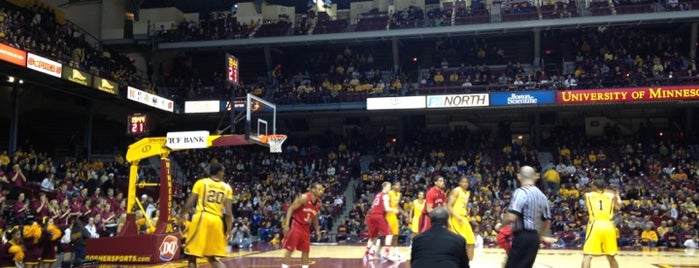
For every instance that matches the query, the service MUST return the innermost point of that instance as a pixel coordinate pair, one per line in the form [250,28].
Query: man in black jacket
[438,247]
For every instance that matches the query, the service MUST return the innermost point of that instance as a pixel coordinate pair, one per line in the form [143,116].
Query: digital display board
[232,69]
[137,124]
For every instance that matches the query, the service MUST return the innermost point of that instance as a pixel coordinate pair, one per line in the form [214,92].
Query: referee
[529,216]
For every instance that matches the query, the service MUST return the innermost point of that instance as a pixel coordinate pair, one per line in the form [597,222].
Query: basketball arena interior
[111,110]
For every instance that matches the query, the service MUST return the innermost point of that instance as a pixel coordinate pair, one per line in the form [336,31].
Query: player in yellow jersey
[206,234]
[415,213]
[394,197]
[457,205]
[600,236]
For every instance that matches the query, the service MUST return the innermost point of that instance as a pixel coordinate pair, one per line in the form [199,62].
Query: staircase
[350,192]
[545,158]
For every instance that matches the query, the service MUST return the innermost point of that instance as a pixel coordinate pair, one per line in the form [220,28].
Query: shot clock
[137,124]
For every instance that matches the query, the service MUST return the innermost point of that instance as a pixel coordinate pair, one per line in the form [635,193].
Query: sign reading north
[105,85]
[458,101]
[187,140]
[44,65]
[76,76]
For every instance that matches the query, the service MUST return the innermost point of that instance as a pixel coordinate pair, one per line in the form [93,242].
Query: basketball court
[351,257]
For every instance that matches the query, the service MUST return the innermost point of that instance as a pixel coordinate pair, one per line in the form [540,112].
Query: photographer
[240,236]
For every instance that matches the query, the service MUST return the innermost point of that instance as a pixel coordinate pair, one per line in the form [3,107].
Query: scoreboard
[232,69]
[137,124]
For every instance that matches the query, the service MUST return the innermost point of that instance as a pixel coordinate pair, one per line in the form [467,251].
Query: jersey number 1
[600,205]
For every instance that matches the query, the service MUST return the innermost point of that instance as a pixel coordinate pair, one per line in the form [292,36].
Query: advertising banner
[13,55]
[458,101]
[76,76]
[637,94]
[187,140]
[191,107]
[105,85]
[239,105]
[152,100]
[522,98]
[44,65]
[392,103]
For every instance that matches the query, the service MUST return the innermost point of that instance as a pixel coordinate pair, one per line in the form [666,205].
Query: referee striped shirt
[532,207]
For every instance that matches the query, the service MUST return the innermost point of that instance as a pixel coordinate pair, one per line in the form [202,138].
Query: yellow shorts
[392,220]
[205,236]
[600,239]
[415,224]
[463,229]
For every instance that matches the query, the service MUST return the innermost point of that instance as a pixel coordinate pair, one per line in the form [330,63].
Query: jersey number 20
[214,197]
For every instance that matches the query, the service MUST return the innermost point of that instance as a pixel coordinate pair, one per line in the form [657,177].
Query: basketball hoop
[274,141]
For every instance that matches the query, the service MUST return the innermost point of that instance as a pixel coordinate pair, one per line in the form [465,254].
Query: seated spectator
[240,236]
[649,237]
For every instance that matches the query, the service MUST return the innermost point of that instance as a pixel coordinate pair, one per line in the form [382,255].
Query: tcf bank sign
[458,101]
[187,140]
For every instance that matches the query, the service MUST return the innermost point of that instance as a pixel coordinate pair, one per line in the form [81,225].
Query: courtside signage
[146,98]
[458,101]
[192,107]
[637,94]
[44,65]
[187,140]
[13,55]
[105,85]
[391,103]
[76,76]
[522,98]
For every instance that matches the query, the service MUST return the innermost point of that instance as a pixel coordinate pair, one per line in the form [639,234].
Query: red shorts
[297,240]
[425,222]
[377,225]
[505,238]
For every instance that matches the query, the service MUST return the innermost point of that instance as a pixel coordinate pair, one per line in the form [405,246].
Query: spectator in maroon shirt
[20,209]
[672,239]
[17,177]
[3,178]
[41,207]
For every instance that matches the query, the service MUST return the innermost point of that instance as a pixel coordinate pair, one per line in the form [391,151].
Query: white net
[275,143]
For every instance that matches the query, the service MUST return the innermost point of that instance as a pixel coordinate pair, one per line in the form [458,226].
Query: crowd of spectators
[603,58]
[655,177]
[266,184]
[34,28]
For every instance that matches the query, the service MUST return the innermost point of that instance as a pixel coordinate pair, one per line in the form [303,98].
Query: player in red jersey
[297,224]
[435,198]
[376,223]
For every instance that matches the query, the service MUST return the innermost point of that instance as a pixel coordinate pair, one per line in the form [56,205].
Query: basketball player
[297,231]
[377,225]
[415,213]
[206,235]
[394,197]
[435,198]
[459,219]
[600,236]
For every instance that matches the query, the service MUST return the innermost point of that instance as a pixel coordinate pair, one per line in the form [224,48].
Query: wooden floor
[351,257]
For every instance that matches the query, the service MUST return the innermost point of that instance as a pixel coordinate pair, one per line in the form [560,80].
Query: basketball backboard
[260,119]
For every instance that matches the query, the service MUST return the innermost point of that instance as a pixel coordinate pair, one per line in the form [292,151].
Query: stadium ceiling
[434,32]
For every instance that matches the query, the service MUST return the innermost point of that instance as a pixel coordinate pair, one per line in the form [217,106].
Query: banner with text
[76,76]
[661,93]
[152,100]
[239,105]
[392,103]
[192,107]
[44,65]
[13,55]
[522,98]
[458,101]
[105,85]
[187,140]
